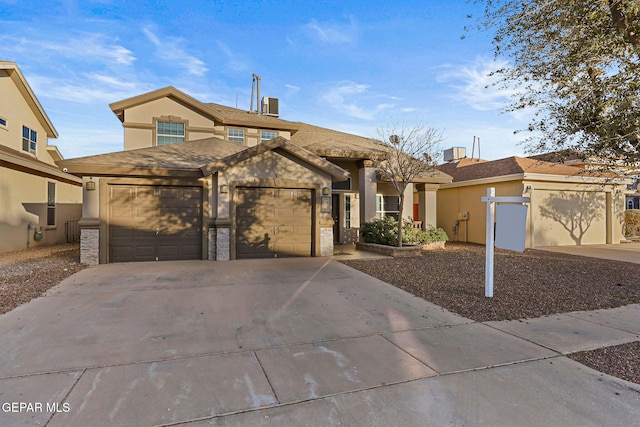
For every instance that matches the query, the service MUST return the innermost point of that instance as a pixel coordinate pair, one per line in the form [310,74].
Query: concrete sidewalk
[627,252]
[294,342]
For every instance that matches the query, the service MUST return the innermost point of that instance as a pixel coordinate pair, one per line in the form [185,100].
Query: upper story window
[3,122]
[266,135]
[236,135]
[29,140]
[169,133]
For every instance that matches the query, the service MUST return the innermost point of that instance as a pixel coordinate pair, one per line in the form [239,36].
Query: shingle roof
[187,159]
[468,169]
[333,143]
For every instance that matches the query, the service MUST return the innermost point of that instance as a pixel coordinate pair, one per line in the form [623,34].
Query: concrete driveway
[285,342]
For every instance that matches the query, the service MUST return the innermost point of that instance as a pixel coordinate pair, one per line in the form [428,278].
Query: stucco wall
[560,213]
[15,110]
[23,202]
[140,126]
[452,202]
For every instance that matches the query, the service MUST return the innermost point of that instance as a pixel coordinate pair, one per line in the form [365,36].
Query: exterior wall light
[224,188]
[325,191]
[90,186]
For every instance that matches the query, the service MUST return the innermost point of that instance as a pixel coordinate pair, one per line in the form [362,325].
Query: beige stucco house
[37,199]
[569,205]
[205,181]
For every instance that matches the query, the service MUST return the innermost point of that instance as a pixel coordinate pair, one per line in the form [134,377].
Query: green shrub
[385,232]
[381,231]
[632,222]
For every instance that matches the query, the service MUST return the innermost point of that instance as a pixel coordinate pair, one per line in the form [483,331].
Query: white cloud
[171,49]
[475,85]
[87,47]
[332,33]
[88,89]
[355,100]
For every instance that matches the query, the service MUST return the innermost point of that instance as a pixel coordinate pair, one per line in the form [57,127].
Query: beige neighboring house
[205,181]
[569,205]
[37,199]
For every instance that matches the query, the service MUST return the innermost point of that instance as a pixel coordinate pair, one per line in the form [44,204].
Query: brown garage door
[273,222]
[154,223]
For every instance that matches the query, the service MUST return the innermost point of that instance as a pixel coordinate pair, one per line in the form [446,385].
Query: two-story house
[37,199]
[205,181]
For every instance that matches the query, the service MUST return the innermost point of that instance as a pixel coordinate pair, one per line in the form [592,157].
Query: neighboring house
[37,200]
[204,181]
[569,205]
[577,159]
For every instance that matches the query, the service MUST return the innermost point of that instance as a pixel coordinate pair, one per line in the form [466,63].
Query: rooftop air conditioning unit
[455,154]
[270,106]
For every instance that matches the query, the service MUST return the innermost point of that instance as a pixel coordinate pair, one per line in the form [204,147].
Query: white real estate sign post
[511,227]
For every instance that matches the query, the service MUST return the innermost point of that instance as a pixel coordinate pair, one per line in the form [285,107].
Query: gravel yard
[27,274]
[526,285]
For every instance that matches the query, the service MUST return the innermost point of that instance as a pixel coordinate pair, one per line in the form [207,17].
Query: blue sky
[348,65]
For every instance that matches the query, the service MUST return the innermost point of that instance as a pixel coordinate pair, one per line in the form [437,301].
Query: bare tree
[407,153]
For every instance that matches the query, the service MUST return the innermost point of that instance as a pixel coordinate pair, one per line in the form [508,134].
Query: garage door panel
[569,218]
[268,223]
[149,223]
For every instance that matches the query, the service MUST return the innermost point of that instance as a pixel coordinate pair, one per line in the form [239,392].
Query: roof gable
[11,68]
[216,112]
[277,144]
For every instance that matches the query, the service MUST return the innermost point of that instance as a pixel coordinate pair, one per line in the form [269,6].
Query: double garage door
[162,223]
[273,222]
[154,223]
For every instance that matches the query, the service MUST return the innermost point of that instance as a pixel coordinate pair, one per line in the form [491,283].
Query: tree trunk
[400,209]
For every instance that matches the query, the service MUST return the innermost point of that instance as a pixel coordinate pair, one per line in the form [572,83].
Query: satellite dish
[394,139]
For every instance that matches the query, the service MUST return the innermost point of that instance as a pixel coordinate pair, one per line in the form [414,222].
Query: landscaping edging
[393,251]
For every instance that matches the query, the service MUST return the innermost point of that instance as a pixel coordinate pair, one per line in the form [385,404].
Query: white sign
[511,227]
[491,201]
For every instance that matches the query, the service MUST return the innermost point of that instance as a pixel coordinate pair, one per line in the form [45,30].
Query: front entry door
[335,214]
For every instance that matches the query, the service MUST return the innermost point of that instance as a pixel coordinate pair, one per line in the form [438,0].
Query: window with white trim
[266,135]
[169,133]
[387,206]
[29,140]
[51,203]
[236,135]
[3,122]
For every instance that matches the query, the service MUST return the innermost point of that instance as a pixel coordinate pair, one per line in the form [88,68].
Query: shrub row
[385,232]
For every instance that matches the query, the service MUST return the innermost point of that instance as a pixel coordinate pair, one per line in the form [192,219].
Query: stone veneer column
[367,188]
[222,239]
[89,241]
[211,243]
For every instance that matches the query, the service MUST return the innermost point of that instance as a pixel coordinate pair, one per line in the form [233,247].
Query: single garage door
[569,218]
[273,222]
[154,223]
